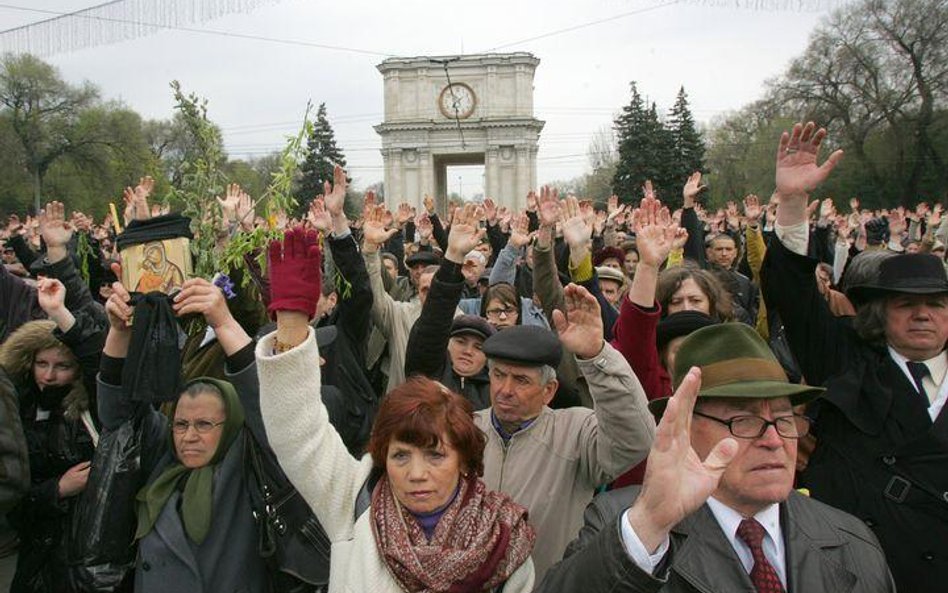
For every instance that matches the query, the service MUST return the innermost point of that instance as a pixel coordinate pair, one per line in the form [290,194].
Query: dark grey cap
[473,325]
[527,345]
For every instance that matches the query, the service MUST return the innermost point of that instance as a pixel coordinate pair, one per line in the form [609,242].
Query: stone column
[427,176]
[523,177]
[397,191]
[491,172]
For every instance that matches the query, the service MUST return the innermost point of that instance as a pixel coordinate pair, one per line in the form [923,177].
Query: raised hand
[532,203]
[677,482]
[827,210]
[752,209]
[54,229]
[245,211]
[797,152]
[424,227]
[334,194]
[295,274]
[81,222]
[549,206]
[490,211]
[580,327]
[654,238]
[576,231]
[429,203]
[388,219]
[811,209]
[136,200]
[612,205]
[465,232]
[731,216]
[374,231]
[403,214]
[599,222]
[692,190]
[199,296]
[934,219]
[118,305]
[681,237]
[519,231]
[504,215]
[843,229]
[229,203]
[51,295]
[279,219]
[897,224]
[318,216]
[368,203]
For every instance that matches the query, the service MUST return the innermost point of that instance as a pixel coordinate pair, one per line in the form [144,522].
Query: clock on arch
[457,100]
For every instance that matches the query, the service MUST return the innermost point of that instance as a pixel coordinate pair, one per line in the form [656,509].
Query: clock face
[457,101]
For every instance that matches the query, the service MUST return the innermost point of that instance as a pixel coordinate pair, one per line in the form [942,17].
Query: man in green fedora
[717,510]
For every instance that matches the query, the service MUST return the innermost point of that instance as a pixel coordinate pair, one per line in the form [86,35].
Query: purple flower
[226,285]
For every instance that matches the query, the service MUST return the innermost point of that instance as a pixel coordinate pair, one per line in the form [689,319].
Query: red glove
[295,272]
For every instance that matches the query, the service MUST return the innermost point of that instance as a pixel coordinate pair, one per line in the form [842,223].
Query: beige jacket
[317,463]
[393,318]
[553,466]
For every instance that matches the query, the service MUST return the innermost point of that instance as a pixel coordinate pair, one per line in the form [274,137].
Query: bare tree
[878,68]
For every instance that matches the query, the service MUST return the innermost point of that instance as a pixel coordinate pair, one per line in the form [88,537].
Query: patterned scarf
[481,539]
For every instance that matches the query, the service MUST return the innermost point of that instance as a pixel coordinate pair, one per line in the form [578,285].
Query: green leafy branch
[202,180]
[277,198]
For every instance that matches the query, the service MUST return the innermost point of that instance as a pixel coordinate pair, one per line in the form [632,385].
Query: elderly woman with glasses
[413,515]
[196,528]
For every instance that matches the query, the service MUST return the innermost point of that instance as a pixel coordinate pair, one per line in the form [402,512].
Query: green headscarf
[198,490]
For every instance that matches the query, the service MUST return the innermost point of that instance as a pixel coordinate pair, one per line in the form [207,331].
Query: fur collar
[16,358]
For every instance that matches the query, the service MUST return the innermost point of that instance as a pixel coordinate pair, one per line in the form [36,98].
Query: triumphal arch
[459,110]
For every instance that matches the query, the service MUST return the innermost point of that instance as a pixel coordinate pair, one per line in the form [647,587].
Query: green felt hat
[735,362]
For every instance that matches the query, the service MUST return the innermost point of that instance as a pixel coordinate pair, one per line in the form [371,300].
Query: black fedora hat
[909,273]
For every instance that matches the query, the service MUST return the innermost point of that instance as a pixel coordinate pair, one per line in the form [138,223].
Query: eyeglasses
[201,426]
[753,427]
[506,312]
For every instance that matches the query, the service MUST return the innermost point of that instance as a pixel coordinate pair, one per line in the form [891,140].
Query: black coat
[426,353]
[879,456]
[354,404]
[57,439]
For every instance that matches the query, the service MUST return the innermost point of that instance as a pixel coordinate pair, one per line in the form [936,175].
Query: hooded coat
[57,439]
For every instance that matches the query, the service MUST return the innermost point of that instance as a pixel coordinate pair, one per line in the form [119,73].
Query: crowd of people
[564,398]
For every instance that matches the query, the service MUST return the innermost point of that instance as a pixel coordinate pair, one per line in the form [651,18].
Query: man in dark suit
[717,510]
[881,430]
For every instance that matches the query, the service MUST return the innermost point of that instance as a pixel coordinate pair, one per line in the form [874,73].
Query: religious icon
[160,266]
[156,255]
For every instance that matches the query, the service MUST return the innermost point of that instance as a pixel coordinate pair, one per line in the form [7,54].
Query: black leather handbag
[291,540]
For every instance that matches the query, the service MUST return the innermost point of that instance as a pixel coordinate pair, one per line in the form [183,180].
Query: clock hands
[454,99]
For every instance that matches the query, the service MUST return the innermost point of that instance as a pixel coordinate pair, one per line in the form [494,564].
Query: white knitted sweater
[316,461]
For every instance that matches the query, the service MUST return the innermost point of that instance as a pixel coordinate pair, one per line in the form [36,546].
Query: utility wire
[79,15]
[584,25]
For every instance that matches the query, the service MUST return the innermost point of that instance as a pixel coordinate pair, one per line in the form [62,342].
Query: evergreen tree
[632,138]
[323,155]
[688,143]
[646,151]
[661,158]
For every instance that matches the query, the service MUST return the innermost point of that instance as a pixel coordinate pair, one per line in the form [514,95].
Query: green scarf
[198,490]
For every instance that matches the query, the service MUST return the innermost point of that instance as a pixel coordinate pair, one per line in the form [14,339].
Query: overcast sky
[257,90]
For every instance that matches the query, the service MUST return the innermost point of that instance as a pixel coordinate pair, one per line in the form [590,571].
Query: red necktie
[763,575]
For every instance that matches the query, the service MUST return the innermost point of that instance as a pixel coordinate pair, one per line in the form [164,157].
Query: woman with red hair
[412,515]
